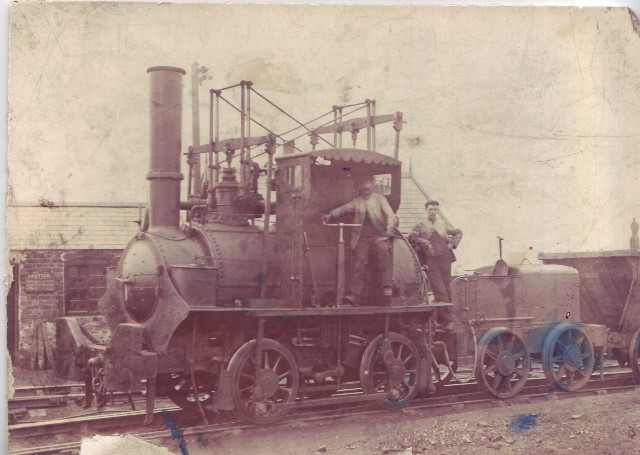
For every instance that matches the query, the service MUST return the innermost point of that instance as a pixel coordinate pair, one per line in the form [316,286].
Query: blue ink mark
[261,277]
[176,433]
[522,422]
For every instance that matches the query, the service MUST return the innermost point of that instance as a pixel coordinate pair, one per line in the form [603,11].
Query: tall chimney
[166,130]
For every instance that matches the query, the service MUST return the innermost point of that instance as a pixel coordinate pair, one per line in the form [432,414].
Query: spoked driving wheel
[261,384]
[391,366]
[181,389]
[503,363]
[634,353]
[568,357]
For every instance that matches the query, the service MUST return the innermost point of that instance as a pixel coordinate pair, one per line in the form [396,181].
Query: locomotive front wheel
[634,353]
[568,357]
[181,389]
[503,363]
[391,366]
[259,384]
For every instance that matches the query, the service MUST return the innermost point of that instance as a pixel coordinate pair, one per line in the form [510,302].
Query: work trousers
[439,274]
[376,250]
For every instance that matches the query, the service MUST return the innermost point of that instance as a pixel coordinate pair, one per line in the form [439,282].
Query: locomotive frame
[228,313]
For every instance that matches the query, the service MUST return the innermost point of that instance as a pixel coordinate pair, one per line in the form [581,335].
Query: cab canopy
[311,184]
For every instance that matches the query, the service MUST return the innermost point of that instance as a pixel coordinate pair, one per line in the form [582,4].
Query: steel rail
[457,403]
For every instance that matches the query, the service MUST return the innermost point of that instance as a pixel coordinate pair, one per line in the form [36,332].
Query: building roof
[71,227]
[102,226]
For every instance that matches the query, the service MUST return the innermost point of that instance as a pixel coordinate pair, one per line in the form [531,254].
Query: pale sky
[522,122]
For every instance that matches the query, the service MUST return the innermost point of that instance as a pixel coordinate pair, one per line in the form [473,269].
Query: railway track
[453,398]
[36,397]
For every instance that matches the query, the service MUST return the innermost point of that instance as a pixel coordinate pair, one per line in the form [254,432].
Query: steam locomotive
[235,311]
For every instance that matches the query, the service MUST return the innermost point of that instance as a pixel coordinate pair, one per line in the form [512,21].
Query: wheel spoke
[518,356]
[409,357]
[275,366]
[500,343]
[512,340]
[490,369]
[491,354]
[561,370]
[284,375]
[399,356]
[497,379]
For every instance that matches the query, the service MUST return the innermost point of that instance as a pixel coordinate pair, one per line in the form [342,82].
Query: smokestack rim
[166,68]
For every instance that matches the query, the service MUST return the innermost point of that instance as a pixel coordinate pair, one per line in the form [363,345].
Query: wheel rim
[259,386]
[634,353]
[568,357]
[391,366]
[503,363]
[181,389]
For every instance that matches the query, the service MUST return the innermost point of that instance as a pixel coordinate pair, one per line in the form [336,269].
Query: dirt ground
[606,424]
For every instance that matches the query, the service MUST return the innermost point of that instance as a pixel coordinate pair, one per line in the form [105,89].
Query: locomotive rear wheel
[503,363]
[634,353]
[568,357]
[258,385]
[391,366]
[181,389]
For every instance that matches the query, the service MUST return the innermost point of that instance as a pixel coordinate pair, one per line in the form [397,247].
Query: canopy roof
[348,155]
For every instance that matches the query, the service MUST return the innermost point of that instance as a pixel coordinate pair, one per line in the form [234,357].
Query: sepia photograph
[322,229]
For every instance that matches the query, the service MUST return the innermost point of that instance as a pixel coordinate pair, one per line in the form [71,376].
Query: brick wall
[41,293]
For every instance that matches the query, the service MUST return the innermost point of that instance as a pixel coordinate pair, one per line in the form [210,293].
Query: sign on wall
[40,282]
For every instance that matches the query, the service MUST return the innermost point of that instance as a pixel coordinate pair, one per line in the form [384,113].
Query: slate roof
[71,227]
[101,226]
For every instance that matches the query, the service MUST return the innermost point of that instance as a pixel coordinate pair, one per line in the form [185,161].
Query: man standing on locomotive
[434,240]
[378,223]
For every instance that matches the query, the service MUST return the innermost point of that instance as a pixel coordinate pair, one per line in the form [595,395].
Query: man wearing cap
[378,224]
[434,240]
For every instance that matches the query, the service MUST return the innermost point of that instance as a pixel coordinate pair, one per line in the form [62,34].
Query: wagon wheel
[258,385]
[634,353]
[503,363]
[391,366]
[181,389]
[568,357]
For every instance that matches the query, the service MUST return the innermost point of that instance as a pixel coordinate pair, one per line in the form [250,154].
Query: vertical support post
[340,287]
[373,126]
[368,103]
[340,121]
[194,159]
[335,126]
[242,130]
[397,125]
[210,154]
[271,148]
